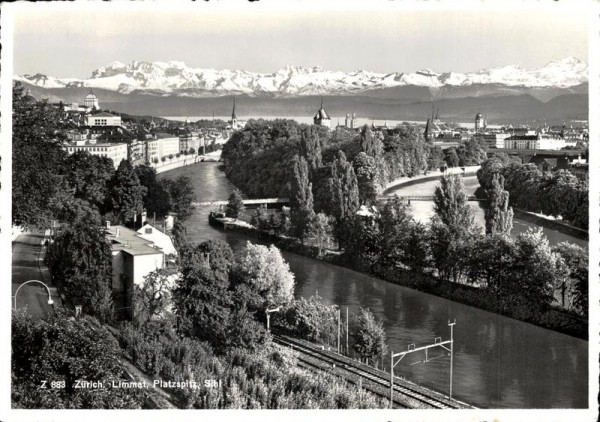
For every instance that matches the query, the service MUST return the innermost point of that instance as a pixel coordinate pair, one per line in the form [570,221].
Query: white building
[538,141]
[158,238]
[133,257]
[492,140]
[103,119]
[116,152]
[153,150]
[167,146]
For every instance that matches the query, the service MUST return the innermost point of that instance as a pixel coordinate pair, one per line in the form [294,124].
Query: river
[423,211]
[499,362]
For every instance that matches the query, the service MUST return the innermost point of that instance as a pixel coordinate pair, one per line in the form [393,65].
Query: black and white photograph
[379,206]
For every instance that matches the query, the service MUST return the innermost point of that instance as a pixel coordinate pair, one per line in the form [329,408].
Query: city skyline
[265,41]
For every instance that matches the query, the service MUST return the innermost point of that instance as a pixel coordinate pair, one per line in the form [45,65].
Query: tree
[451,206]
[157,199]
[574,282]
[301,197]
[310,147]
[320,227]
[182,196]
[536,269]
[260,219]
[208,306]
[498,215]
[369,336]
[366,175]
[451,157]
[202,305]
[339,197]
[178,234]
[491,262]
[37,159]
[266,272]
[471,153]
[395,226]
[61,348]
[152,299]
[88,176]
[235,205]
[80,261]
[310,319]
[126,193]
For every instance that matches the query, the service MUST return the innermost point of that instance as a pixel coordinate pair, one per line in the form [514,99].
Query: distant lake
[360,121]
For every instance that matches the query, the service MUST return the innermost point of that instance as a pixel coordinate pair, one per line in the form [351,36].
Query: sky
[73,43]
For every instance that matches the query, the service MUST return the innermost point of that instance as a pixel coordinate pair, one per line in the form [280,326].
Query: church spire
[233,116]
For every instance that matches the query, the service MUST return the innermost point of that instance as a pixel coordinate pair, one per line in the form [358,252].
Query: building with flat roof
[116,152]
[538,141]
[492,140]
[102,119]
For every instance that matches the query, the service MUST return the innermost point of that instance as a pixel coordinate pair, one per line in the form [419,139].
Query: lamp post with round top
[50,301]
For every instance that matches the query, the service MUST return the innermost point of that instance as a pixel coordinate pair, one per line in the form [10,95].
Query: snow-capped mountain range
[175,78]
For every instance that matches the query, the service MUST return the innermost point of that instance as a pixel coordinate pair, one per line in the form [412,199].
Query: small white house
[158,238]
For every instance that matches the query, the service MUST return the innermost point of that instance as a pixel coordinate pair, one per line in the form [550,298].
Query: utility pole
[412,349]
[451,351]
[268,312]
[339,324]
[347,325]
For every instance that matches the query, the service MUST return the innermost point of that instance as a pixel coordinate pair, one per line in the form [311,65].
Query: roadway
[28,264]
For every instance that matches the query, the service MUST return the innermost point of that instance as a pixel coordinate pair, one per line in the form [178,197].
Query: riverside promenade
[186,160]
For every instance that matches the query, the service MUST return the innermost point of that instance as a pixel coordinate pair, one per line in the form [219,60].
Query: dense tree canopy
[498,215]
[369,336]
[266,272]
[37,159]
[62,348]
[80,261]
[126,193]
[558,194]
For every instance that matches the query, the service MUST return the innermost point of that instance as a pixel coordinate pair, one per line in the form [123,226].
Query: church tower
[479,122]
[233,116]
[322,118]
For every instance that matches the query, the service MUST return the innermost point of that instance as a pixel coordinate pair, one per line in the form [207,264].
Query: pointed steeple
[321,102]
[233,116]
[428,134]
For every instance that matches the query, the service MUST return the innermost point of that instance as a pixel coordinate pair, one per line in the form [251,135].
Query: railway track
[406,394]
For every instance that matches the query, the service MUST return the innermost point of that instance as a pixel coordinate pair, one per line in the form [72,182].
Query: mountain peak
[175,78]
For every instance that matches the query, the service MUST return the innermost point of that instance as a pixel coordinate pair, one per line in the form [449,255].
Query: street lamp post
[50,301]
[268,311]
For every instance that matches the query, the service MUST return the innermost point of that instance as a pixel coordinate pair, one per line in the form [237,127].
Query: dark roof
[322,115]
[523,137]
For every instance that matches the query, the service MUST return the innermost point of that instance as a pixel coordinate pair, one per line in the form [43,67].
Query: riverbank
[185,160]
[429,176]
[544,221]
[554,319]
